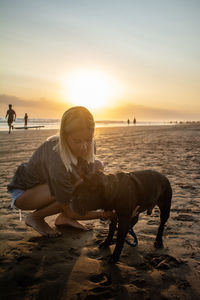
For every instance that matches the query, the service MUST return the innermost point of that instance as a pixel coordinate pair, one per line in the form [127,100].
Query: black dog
[128,194]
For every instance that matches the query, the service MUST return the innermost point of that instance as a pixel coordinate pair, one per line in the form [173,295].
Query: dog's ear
[95,180]
[99,178]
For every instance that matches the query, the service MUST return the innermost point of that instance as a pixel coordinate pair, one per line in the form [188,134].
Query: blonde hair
[74,119]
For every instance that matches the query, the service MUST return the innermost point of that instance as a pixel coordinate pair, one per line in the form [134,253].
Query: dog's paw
[158,244]
[104,244]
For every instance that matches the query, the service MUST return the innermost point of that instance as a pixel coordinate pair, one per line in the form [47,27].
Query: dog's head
[89,194]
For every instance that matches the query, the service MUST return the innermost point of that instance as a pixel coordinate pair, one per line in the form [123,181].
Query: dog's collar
[139,188]
[111,189]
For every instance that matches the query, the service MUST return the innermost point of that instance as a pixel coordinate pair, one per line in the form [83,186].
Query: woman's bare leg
[39,199]
[37,220]
[35,198]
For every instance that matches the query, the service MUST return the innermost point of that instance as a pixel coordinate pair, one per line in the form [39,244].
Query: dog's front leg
[123,226]
[109,239]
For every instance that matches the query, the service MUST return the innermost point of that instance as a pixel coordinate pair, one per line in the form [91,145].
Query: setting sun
[89,88]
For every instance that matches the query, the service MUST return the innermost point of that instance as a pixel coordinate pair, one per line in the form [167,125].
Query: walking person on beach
[25,119]
[11,117]
[45,183]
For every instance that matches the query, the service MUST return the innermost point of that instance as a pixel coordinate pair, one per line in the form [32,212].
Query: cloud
[146,113]
[42,108]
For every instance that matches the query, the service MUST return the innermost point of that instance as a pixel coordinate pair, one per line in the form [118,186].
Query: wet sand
[72,266]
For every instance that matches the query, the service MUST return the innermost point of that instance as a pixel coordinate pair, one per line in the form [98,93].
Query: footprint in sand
[188,187]
[163,262]
[94,253]
[103,279]
[20,258]
[152,222]
[103,288]
[183,284]
[140,283]
[184,217]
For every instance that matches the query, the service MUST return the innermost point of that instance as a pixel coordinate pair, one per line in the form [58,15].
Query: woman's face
[80,141]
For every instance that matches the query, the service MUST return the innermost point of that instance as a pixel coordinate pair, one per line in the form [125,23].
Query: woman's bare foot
[62,220]
[41,226]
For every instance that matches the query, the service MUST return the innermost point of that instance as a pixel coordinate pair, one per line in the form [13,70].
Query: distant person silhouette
[11,117]
[134,121]
[128,122]
[25,119]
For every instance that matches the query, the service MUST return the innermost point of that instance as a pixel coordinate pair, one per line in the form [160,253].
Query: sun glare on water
[89,88]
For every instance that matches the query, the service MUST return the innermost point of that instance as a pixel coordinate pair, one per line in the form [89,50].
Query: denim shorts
[14,195]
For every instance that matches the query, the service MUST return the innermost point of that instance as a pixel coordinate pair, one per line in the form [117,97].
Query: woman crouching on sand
[44,184]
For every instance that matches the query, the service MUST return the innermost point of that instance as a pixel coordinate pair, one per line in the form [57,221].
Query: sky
[121,59]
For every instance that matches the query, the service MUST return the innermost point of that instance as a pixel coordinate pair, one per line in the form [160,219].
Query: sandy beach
[72,266]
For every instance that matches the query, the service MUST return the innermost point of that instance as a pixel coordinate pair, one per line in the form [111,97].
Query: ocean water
[47,123]
[55,123]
